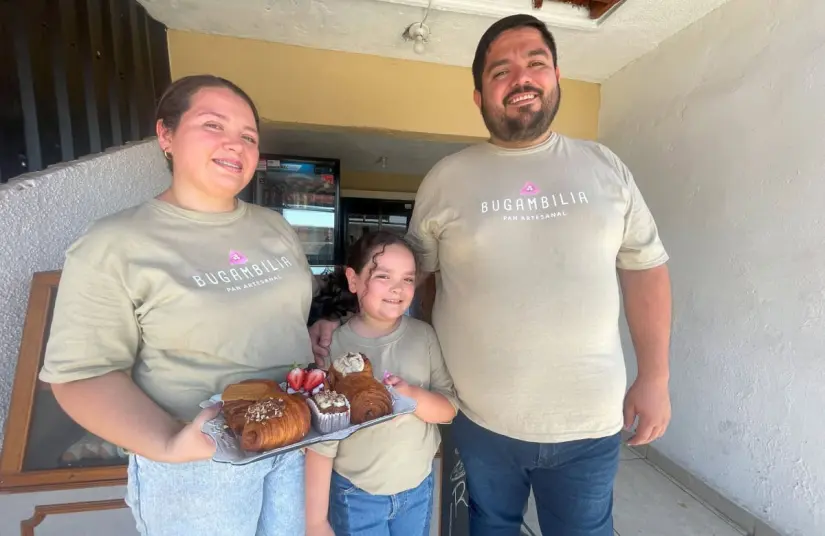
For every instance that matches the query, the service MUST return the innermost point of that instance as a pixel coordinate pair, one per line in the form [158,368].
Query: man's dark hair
[509,23]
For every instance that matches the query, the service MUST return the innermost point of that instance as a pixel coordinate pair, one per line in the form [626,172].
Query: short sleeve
[327,449]
[440,380]
[428,219]
[94,330]
[641,247]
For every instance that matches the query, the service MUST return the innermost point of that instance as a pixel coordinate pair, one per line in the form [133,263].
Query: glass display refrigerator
[306,191]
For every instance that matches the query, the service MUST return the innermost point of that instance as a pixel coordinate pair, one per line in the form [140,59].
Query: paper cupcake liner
[327,423]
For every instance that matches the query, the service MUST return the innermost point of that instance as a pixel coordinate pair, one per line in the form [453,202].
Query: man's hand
[649,400]
[320,336]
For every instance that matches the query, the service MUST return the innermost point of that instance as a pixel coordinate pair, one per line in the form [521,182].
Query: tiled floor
[647,503]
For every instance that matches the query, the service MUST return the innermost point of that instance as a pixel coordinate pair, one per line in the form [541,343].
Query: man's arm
[647,305]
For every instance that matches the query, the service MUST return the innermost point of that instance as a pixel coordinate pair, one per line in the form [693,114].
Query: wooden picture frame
[13,477]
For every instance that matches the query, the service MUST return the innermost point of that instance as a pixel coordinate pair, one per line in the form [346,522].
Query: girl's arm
[430,407]
[112,407]
[318,472]
[438,405]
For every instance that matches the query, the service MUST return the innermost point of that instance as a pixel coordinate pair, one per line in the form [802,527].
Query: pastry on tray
[263,416]
[351,363]
[351,376]
[330,411]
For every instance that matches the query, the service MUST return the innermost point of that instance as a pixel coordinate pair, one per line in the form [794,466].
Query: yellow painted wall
[309,86]
[379,182]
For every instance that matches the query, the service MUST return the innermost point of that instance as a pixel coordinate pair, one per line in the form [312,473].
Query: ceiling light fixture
[419,32]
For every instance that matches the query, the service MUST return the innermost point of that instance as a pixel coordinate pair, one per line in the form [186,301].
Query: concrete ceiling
[589,50]
[359,151]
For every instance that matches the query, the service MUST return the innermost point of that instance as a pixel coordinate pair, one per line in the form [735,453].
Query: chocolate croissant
[250,390]
[344,366]
[368,398]
[237,398]
[275,422]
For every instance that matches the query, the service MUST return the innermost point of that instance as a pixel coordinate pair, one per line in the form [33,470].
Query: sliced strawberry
[295,378]
[314,379]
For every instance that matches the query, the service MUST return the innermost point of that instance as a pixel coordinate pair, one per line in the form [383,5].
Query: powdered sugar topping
[349,363]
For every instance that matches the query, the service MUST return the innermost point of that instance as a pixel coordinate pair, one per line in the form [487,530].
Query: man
[525,234]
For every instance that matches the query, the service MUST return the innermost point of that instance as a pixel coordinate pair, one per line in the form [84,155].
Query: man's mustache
[523,89]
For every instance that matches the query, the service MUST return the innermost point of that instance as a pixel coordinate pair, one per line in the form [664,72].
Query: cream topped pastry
[330,402]
[349,363]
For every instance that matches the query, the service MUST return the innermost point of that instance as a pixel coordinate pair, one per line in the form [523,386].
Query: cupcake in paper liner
[330,411]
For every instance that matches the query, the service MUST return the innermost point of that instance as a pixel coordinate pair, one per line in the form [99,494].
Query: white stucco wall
[40,216]
[723,127]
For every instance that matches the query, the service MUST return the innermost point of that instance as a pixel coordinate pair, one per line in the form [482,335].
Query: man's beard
[528,125]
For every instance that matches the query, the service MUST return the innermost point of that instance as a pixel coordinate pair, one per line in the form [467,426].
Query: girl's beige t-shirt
[396,455]
[185,302]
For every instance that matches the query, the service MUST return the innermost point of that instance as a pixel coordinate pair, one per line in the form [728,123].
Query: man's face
[520,88]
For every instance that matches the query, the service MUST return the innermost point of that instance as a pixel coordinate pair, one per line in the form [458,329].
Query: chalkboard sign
[455,499]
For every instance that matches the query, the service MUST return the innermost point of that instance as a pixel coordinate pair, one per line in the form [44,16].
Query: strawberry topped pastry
[306,381]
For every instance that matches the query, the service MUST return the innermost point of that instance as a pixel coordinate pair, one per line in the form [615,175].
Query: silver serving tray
[228,448]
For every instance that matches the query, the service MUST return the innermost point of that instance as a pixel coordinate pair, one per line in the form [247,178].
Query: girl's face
[386,285]
[215,146]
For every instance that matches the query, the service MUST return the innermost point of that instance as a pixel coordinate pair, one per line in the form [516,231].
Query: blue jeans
[354,512]
[572,482]
[264,498]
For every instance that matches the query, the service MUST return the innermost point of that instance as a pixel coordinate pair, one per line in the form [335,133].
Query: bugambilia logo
[531,204]
[244,274]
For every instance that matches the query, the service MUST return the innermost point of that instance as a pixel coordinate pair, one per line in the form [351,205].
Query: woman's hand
[320,529]
[190,444]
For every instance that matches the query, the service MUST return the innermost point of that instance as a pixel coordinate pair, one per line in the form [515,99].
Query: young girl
[379,481]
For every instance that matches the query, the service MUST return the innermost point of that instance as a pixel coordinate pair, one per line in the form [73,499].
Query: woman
[162,305]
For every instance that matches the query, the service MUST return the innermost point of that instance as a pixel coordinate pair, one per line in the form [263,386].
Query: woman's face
[215,146]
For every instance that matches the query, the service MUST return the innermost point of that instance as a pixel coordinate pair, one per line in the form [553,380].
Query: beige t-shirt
[397,455]
[525,246]
[186,302]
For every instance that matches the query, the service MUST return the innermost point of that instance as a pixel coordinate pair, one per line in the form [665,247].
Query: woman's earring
[168,155]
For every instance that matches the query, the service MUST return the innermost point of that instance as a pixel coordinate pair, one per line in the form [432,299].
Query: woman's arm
[113,407]
[318,472]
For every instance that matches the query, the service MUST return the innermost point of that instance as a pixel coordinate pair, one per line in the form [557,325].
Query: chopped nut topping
[264,410]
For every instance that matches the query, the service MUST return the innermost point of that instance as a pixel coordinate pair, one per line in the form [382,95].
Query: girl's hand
[397,383]
[190,444]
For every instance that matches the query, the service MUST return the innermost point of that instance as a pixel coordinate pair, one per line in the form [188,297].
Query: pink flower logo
[529,189]
[236,257]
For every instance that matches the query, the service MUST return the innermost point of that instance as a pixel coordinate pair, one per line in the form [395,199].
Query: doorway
[361,214]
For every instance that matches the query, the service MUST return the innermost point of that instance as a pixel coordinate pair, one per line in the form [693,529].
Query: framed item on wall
[43,447]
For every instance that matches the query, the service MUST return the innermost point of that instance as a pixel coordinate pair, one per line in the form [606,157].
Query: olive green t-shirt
[525,245]
[186,302]
[397,455]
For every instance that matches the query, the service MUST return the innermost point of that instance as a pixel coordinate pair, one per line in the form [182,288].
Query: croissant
[250,390]
[237,398]
[368,398]
[335,375]
[275,422]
